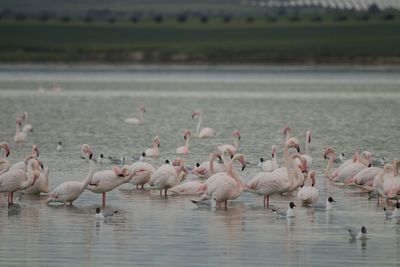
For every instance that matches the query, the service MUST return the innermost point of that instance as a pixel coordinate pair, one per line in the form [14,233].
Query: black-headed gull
[393,214]
[355,234]
[104,215]
[328,205]
[289,213]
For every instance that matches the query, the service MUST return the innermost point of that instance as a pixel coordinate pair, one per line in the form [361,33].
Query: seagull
[286,214]
[59,146]
[121,160]
[362,235]
[104,215]
[328,205]
[100,158]
[393,214]
[339,159]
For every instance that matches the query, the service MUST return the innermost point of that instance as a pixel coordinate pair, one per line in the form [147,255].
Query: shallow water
[345,107]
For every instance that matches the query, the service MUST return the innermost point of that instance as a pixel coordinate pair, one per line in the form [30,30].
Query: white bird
[155,150]
[69,191]
[18,179]
[289,213]
[139,120]
[308,194]
[101,215]
[4,162]
[393,214]
[100,159]
[206,132]
[362,234]
[328,205]
[59,146]
[269,165]
[185,149]
[114,160]
[141,173]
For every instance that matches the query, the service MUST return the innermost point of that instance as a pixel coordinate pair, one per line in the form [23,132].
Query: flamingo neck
[233,173]
[141,116]
[89,176]
[198,125]
[187,142]
[307,147]
[328,169]
[155,147]
[212,170]
[236,143]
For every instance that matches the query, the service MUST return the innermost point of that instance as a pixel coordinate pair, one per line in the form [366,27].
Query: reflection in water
[157,231]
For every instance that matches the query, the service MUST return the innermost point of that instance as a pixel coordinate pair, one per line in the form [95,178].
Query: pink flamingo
[22,164]
[24,119]
[4,162]
[270,165]
[233,148]
[139,120]
[349,171]
[167,176]
[69,191]
[391,184]
[386,173]
[106,180]
[141,173]
[185,149]
[41,185]
[187,188]
[281,180]
[365,177]
[308,194]
[224,186]
[153,152]
[206,132]
[208,168]
[17,179]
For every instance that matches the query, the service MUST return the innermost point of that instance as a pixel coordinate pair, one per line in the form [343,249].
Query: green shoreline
[372,42]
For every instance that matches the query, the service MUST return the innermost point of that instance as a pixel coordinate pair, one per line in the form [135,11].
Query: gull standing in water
[328,205]
[393,214]
[104,215]
[289,213]
[59,146]
[362,234]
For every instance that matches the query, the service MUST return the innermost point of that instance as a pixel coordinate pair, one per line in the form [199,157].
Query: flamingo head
[6,148]
[286,129]
[302,164]
[241,159]
[293,142]
[311,176]
[18,121]
[186,133]
[86,151]
[215,155]
[236,134]
[121,172]
[125,172]
[366,156]
[273,152]
[142,108]
[229,153]
[195,113]
[308,136]
[33,164]
[328,151]
[35,151]
[156,141]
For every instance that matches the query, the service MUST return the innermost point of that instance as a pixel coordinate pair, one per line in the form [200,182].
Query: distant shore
[373,42]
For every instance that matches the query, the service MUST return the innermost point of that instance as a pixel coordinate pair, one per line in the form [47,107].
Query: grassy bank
[328,41]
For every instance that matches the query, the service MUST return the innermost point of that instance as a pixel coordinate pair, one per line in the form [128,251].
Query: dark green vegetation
[290,39]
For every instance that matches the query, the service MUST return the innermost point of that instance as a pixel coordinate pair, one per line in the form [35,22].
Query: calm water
[347,108]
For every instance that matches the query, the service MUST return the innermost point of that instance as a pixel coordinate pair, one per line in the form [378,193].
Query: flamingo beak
[90,155]
[239,137]
[297,148]
[7,153]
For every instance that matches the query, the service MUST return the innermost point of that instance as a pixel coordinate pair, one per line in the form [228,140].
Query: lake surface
[348,108]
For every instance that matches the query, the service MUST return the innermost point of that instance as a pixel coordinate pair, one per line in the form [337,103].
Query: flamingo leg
[12,198]
[160,192]
[267,201]
[378,199]
[226,205]
[165,192]
[104,199]
[264,200]
[137,186]
[142,186]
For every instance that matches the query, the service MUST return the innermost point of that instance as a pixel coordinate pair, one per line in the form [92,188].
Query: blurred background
[202,31]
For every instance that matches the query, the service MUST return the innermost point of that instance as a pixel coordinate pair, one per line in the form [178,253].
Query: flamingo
[69,191]
[233,148]
[22,164]
[365,177]
[384,174]
[391,185]
[308,194]
[4,162]
[208,168]
[20,135]
[224,186]
[86,151]
[106,180]
[187,188]
[348,172]
[141,173]
[281,180]
[139,120]
[206,132]
[41,185]
[24,119]
[17,179]
[307,155]
[185,149]
[153,152]
[167,176]
[269,165]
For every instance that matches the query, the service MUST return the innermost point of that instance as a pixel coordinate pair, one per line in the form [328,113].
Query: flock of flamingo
[217,179]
